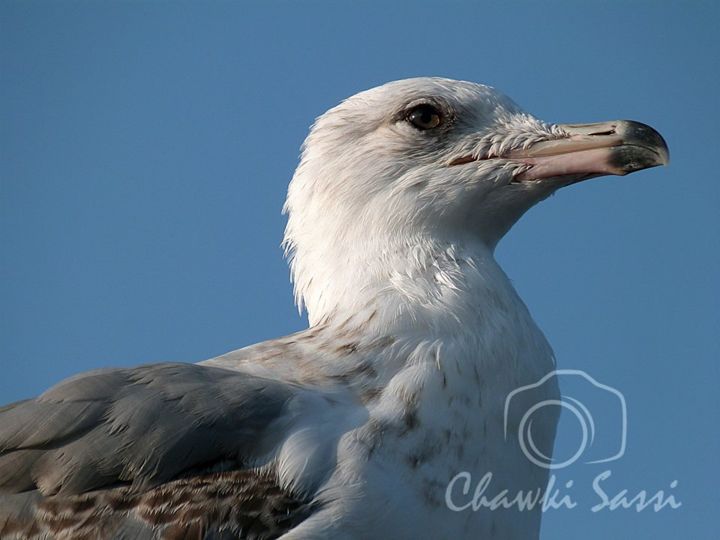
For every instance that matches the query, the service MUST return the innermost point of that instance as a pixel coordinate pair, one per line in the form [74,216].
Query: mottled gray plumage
[133,430]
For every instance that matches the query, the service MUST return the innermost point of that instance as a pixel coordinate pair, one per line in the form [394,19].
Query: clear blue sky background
[145,150]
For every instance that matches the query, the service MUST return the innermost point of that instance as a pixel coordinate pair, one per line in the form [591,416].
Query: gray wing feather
[143,426]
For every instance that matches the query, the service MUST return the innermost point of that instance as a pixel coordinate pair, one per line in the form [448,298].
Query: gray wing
[157,451]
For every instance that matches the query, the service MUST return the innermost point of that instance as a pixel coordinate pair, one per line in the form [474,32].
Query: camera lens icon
[527,404]
[527,443]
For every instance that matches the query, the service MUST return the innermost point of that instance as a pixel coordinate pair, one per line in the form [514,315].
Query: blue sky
[145,149]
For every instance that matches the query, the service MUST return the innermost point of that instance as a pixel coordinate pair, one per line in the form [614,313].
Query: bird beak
[618,148]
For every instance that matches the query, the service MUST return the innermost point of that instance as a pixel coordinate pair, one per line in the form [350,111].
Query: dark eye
[424,117]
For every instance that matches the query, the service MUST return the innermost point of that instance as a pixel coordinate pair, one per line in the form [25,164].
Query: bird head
[441,161]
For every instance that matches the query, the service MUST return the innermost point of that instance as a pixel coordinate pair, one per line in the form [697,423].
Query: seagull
[358,426]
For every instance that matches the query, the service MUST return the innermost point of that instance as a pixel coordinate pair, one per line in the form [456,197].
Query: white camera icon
[611,410]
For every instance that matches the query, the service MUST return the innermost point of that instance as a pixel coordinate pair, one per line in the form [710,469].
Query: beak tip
[665,157]
[638,133]
[632,158]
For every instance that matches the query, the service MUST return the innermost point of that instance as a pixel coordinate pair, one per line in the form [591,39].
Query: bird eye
[424,117]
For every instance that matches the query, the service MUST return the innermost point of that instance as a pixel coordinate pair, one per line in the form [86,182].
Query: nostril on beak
[601,133]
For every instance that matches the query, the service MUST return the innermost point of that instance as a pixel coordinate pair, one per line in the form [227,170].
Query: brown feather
[244,504]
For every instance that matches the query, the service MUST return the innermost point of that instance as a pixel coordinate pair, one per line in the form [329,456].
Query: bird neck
[405,283]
